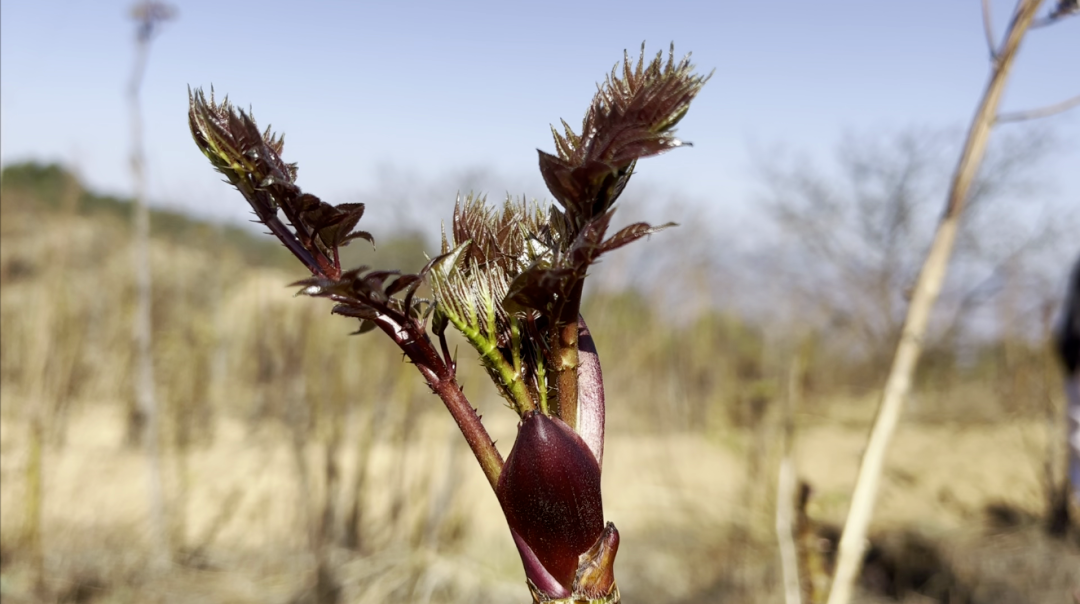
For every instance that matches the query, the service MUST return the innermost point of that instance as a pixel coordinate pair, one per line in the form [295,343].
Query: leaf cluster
[521,270]
[510,278]
[470,281]
[251,161]
[631,117]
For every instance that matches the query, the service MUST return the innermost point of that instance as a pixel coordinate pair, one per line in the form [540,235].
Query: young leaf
[632,116]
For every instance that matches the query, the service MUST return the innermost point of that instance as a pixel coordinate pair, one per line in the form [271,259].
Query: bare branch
[898,385]
[988,27]
[1064,8]
[1032,114]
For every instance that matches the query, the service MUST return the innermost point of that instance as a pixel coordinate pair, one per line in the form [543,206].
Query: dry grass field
[693,523]
[289,447]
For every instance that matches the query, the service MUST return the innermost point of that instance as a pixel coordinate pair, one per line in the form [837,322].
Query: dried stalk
[927,288]
[1031,114]
[147,15]
[785,490]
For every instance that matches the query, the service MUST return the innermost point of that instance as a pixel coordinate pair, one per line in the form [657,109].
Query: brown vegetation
[277,463]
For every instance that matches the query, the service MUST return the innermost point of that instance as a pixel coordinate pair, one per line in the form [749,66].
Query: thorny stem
[292,243]
[439,374]
[566,359]
[510,375]
[541,386]
[323,265]
[566,362]
[515,346]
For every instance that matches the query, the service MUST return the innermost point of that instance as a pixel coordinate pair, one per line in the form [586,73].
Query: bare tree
[148,16]
[925,293]
[855,235]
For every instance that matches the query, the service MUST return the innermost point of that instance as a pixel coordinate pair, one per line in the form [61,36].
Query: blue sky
[421,90]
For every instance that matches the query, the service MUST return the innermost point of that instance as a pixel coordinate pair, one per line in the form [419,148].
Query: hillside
[51,191]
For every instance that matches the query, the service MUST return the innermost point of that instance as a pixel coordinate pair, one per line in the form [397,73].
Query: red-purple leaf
[359,235]
[630,234]
[401,283]
[633,115]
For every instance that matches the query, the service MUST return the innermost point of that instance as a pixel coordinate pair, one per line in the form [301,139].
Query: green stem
[511,378]
[542,383]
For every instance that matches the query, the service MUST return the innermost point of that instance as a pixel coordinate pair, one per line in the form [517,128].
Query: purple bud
[550,493]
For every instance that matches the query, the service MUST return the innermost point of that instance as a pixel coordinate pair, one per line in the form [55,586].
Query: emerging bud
[550,493]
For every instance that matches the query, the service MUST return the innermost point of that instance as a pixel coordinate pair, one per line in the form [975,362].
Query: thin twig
[1031,114]
[988,27]
[1065,8]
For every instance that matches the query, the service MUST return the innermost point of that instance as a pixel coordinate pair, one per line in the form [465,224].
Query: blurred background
[294,463]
